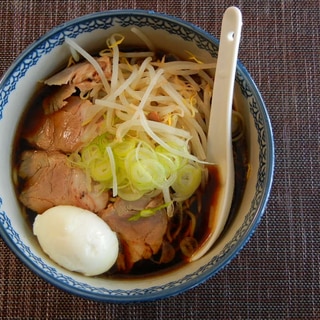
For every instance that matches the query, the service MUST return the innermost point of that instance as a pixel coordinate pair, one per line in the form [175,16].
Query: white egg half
[77,239]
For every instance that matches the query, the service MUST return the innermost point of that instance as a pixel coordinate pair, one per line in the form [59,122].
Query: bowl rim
[231,254]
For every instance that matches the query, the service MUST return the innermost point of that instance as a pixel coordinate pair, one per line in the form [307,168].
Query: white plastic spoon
[219,149]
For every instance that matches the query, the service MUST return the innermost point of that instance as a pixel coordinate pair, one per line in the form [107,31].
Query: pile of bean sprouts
[151,111]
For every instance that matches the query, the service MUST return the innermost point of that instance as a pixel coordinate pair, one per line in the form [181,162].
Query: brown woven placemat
[276,275]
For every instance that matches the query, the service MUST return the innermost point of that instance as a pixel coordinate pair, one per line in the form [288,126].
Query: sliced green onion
[188,181]
[147,174]
[188,246]
[100,170]
[145,213]
[134,167]
[122,149]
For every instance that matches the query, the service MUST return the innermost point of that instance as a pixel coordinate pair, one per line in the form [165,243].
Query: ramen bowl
[48,55]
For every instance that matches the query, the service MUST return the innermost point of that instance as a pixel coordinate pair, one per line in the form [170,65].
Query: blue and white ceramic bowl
[49,54]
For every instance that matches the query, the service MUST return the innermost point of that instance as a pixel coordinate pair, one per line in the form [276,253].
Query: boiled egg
[77,239]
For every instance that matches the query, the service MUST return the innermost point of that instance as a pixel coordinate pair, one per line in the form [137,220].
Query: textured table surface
[277,274]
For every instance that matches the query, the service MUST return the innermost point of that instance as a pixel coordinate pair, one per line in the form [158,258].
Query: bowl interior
[169,34]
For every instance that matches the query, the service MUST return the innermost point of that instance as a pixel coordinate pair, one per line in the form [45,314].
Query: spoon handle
[221,105]
[219,141]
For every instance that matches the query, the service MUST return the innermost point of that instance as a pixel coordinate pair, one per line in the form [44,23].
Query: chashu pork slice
[140,239]
[49,180]
[60,131]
